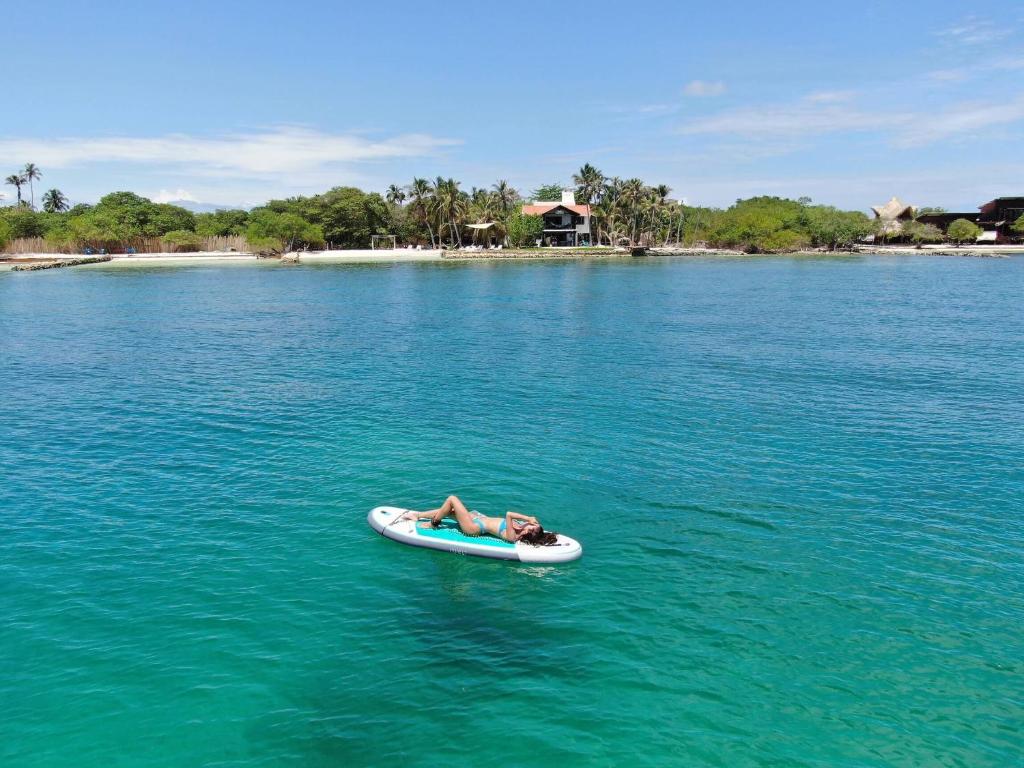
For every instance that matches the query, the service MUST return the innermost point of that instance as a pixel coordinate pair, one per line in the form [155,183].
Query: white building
[565,223]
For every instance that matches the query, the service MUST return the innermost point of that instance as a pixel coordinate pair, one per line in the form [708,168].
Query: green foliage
[524,231]
[5,233]
[832,228]
[1018,225]
[54,201]
[221,223]
[288,231]
[22,221]
[963,231]
[347,216]
[919,233]
[183,240]
[122,216]
[762,225]
[547,192]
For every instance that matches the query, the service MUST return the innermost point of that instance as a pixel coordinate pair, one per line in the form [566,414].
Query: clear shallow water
[798,483]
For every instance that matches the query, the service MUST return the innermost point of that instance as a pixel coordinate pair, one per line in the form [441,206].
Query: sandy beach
[408,255]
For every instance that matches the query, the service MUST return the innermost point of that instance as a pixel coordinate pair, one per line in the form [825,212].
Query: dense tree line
[440,214]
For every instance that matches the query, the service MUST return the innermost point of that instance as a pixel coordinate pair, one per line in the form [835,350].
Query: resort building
[943,220]
[565,223]
[892,215]
[995,218]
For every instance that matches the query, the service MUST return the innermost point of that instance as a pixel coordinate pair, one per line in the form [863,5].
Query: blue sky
[233,103]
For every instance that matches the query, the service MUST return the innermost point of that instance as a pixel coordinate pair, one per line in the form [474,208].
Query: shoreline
[35,261]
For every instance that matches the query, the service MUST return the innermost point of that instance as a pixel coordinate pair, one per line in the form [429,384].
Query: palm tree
[505,200]
[450,205]
[422,195]
[29,173]
[54,201]
[16,180]
[589,183]
[395,195]
[632,200]
[506,197]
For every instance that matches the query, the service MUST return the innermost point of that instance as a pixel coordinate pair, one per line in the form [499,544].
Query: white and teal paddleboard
[448,538]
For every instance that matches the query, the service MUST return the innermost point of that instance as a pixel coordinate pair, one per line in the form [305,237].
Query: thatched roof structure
[894,210]
[893,214]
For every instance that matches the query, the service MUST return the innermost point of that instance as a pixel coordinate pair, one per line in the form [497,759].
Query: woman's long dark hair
[540,537]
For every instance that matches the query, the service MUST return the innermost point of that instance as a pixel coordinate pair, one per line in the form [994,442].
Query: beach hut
[892,215]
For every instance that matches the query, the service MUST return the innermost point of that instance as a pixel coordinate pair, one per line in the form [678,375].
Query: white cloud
[279,152]
[813,116]
[830,97]
[974,31]
[174,195]
[802,118]
[950,75]
[960,120]
[704,88]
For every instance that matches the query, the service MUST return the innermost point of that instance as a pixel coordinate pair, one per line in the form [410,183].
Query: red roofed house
[565,223]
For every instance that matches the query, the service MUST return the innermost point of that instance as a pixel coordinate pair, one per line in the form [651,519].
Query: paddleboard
[448,538]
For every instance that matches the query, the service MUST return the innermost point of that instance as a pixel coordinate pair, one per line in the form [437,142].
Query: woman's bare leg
[435,515]
[452,507]
[466,522]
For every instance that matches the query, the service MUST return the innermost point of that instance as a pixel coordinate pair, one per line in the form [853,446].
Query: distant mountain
[192,205]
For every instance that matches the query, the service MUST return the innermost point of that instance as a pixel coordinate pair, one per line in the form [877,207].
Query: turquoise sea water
[798,483]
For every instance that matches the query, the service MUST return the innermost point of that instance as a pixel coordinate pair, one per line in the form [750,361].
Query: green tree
[285,230]
[523,230]
[450,208]
[962,231]
[54,201]
[762,225]
[221,223]
[421,194]
[919,233]
[5,234]
[1018,225]
[395,195]
[343,214]
[506,199]
[30,173]
[832,228]
[22,221]
[16,180]
[589,184]
[125,215]
[547,193]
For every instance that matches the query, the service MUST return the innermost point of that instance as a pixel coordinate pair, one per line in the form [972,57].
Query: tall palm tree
[589,184]
[450,205]
[395,195]
[16,180]
[31,172]
[54,201]
[506,199]
[632,199]
[421,194]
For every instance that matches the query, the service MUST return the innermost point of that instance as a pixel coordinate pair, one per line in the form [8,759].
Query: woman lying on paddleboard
[512,527]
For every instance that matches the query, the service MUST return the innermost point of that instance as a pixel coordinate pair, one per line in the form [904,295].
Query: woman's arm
[511,534]
[519,516]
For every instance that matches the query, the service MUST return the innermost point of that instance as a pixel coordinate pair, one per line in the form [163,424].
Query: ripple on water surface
[798,483]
